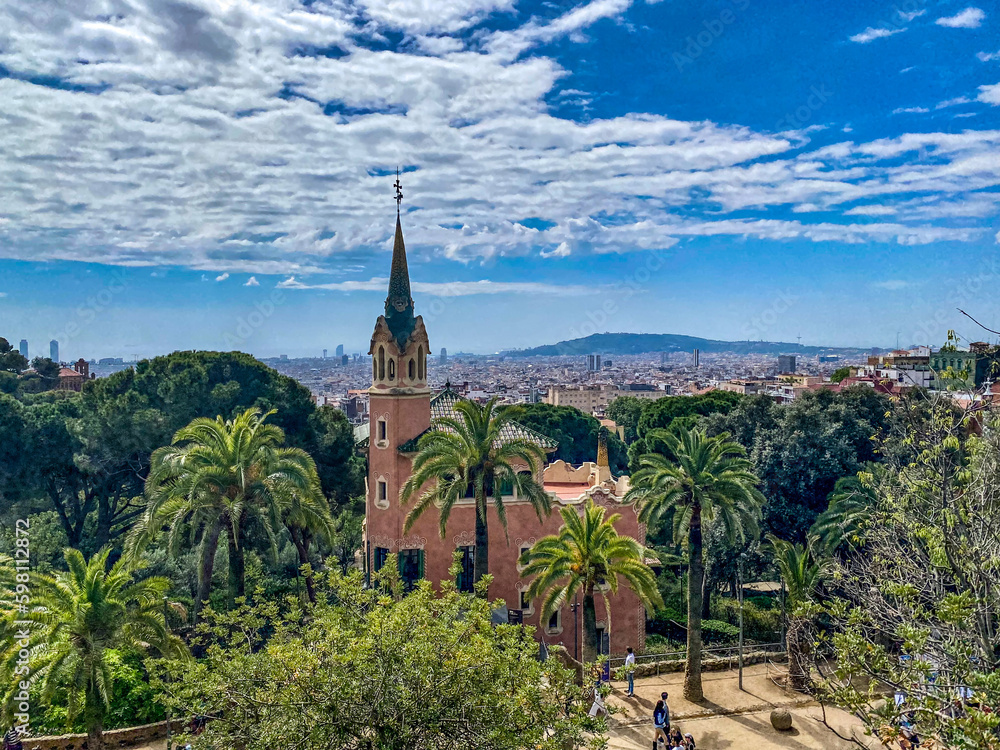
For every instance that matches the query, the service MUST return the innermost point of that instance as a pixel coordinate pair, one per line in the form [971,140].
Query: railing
[717,652]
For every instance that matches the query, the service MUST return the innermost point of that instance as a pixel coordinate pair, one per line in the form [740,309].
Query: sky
[218,174]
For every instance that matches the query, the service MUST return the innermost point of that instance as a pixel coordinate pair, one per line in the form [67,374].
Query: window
[392,369]
[381,363]
[525,601]
[382,491]
[421,362]
[554,621]
[411,567]
[411,369]
[520,557]
[466,576]
[381,432]
[380,554]
[374,368]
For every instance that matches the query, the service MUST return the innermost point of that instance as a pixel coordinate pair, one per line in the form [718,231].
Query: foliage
[223,476]
[660,415]
[840,373]
[11,360]
[801,449]
[918,604]
[626,411]
[801,573]
[672,625]
[81,618]
[760,624]
[694,478]
[844,521]
[586,555]
[575,431]
[464,456]
[371,669]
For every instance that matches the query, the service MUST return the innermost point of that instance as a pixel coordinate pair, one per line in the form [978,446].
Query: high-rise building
[786,363]
[340,350]
[593,363]
[696,358]
[54,350]
[23,348]
[324,354]
[444,356]
[344,360]
[664,358]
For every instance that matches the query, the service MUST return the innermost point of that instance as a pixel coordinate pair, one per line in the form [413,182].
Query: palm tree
[585,556]
[801,573]
[221,476]
[467,454]
[697,478]
[84,613]
[851,505]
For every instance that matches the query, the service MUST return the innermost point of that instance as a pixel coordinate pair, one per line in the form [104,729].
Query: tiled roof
[443,405]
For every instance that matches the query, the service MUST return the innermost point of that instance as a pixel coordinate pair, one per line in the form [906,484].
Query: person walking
[12,740]
[661,725]
[630,671]
[598,705]
[666,709]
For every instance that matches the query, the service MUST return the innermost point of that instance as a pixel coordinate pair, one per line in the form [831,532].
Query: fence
[716,655]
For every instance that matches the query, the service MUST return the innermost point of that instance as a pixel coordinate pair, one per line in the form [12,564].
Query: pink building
[401,408]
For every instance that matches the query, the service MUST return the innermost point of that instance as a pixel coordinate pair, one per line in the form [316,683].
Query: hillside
[645,343]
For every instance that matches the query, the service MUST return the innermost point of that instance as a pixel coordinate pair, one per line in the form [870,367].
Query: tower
[399,410]
[23,348]
[54,350]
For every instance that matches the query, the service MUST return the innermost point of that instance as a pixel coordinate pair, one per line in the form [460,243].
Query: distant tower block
[444,356]
[324,354]
[23,348]
[593,363]
[696,358]
[786,363]
[54,350]
[344,360]
[664,358]
[340,350]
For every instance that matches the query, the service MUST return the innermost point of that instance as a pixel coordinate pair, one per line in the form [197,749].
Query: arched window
[412,369]
[381,363]
[374,368]
[392,369]
[421,366]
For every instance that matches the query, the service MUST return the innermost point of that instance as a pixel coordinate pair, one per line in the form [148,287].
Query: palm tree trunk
[481,563]
[206,566]
[94,719]
[301,542]
[696,582]
[237,566]
[591,647]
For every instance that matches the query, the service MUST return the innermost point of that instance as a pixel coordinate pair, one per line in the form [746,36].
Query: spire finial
[399,190]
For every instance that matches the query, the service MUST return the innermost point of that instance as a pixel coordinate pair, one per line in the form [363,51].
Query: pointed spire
[603,465]
[399,303]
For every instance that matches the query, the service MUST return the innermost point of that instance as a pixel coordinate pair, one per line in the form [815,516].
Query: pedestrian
[661,724]
[630,671]
[666,708]
[689,742]
[12,740]
[675,738]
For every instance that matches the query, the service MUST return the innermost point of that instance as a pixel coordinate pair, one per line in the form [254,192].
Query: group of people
[671,738]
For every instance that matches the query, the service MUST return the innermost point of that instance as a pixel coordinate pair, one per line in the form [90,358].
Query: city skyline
[729,170]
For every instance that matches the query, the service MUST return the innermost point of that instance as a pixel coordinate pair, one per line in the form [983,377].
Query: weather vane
[399,190]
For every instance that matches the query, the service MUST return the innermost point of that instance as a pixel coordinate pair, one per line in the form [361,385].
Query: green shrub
[671,625]
[716,631]
[760,625]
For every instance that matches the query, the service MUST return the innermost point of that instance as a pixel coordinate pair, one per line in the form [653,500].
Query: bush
[671,625]
[716,631]
[760,625]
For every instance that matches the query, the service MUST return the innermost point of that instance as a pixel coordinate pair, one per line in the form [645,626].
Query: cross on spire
[399,190]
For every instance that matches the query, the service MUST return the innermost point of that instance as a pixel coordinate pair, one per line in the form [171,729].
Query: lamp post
[739,598]
[576,628]
[166,634]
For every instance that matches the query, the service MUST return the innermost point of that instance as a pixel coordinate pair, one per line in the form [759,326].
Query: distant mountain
[647,343]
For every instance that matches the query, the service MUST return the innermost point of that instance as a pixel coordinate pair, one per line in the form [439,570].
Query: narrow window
[421,367]
[465,577]
[380,554]
[392,369]
[374,369]
[554,621]
[383,490]
[412,370]
[525,601]
[382,431]
[381,363]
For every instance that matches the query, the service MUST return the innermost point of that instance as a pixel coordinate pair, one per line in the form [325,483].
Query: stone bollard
[781,719]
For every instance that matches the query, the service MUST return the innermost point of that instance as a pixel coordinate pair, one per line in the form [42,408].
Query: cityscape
[499,375]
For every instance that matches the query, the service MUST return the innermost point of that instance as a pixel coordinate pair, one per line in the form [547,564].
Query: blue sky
[218,173]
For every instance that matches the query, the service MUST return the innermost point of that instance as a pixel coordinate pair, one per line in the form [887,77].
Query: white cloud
[970,18]
[910,110]
[447,288]
[424,16]
[988,56]
[952,102]
[911,15]
[222,277]
[252,281]
[3,294]
[875,210]
[990,94]
[871,34]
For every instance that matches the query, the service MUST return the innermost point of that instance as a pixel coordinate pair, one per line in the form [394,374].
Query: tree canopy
[575,431]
